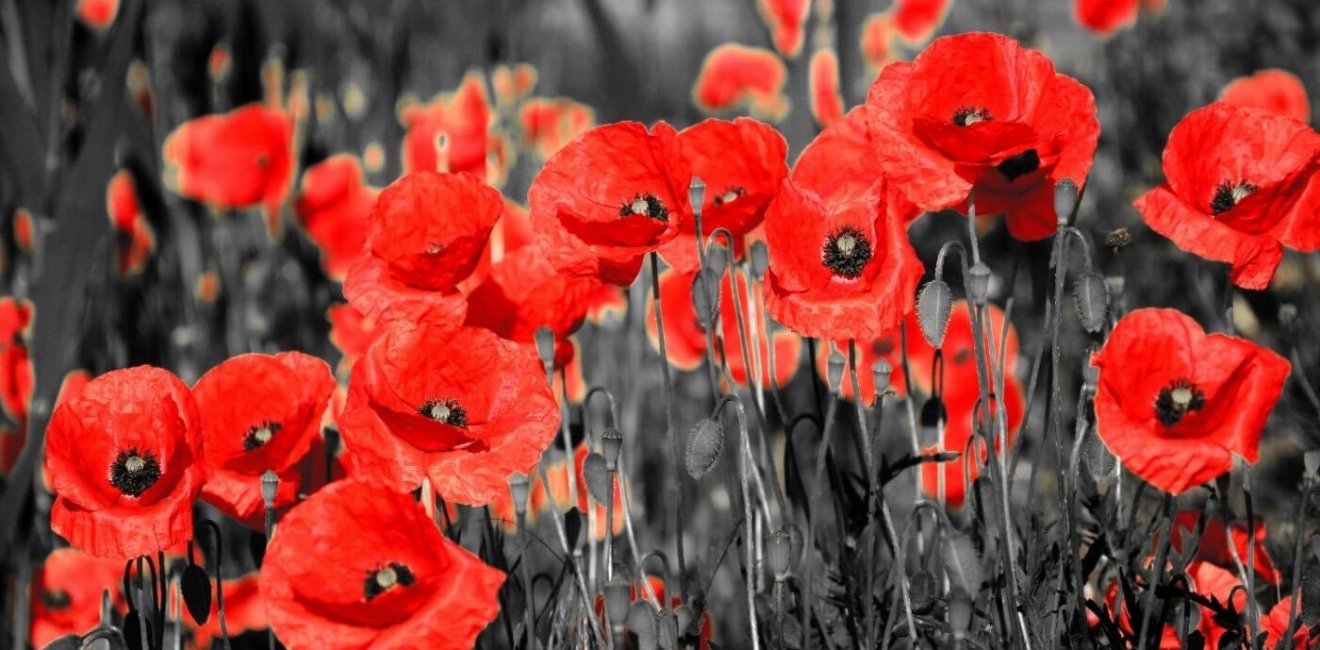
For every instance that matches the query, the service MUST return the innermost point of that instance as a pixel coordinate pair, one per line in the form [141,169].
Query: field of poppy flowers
[659,324]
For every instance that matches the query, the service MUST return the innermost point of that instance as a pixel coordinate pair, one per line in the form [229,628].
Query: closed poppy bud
[978,283]
[702,303]
[834,369]
[704,447]
[934,305]
[760,259]
[1092,300]
[599,481]
[881,371]
[617,599]
[611,444]
[1065,200]
[716,258]
[779,553]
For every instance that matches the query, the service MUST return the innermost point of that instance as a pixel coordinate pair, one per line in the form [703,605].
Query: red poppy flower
[23,229]
[841,162]
[333,207]
[350,332]
[917,20]
[122,458]
[99,15]
[550,123]
[1104,17]
[840,268]
[1213,547]
[1273,89]
[1275,625]
[358,565]
[15,364]
[464,407]
[742,163]
[1203,578]
[12,438]
[134,239]
[66,594]
[978,113]
[524,293]
[1175,404]
[826,102]
[1240,184]
[877,40]
[235,160]
[610,197]
[787,20]
[425,234]
[736,76]
[245,611]
[462,117]
[259,412]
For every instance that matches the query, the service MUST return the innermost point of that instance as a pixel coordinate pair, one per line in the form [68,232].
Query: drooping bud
[978,283]
[545,345]
[1092,299]
[779,553]
[1065,200]
[519,487]
[697,194]
[598,478]
[705,295]
[760,259]
[611,445]
[704,446]
[881,371]
[717,256]
[834,369]
[934,306]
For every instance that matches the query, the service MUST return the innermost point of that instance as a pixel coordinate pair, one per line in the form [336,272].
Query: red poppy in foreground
[122,458]
[742,162]
[66,594]
[882,348]
[1273,89]
[736,76]
[610,197]
[1240,184]
[1275,625]
[979,116]
[1213,547]
[917,20]
[333,207]
[1104,17]
[462,118]
[425,235]
[1175,404]
[787,21]
[259,412]
[236,160]
[826,102]
[358,565]
[133,237]
[464,407]
[840,268]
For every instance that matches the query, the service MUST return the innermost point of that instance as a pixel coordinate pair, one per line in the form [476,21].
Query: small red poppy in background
[358,565]
[66,594]
[1175,404]
[240,159]
[425,235]
[1240,184]
[15,364]
[122,458]
[877,40]
[1104,17]
[259,412]
[464,407]
[979,116]
[550,123]
[462,118]
[1275,624]
[512,83]
[1214,547]
[1273,89]
[333,207]
[826,102]
[734,77]
[99,15]
[917,20]
[610,197]
[134,239]
[245,611]
[742,162]
[840,267]
[787,20]
[350,332]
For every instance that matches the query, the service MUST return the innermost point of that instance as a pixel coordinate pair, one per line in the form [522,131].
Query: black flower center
[55,599]
[1176,400]
[260,434]
[730,195]
[385,578]
[1229,194]
[444,411]
[1020,165]
[969,115]
[644,205]
[846,252]
[133,473]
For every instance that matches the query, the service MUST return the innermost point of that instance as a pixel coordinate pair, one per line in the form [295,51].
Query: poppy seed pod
[1065,200]
[934,305]
[270,484]
[545,346]
[779,553]
[611,445]
[881,371]
[978,283]
[519,487]
[705,445]
[834,369]
[617,599]
[697,193]
[760,259]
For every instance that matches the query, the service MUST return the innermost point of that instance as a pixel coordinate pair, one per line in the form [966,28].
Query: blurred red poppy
[462,117]
[550,123]
[1273,89]
[977,115]
[358,565]
[15,364]
[97,14]
[1240,184]
[917,20]
[66,594]
[1275,625]
[554,499]
[1213,547]
[236,160]
[840,268]
[245,611]
[464,407]
[350,332]
[736,76]
[826,102]
[841,162]
[787,21]
[1202,578]
[425,235]
[742,163]
[1104,17]
[637,592]
[133,237]
[333,207]
[877,40]
[122,458]
[610,197]
[512,83]
[259,412]
[1175,404]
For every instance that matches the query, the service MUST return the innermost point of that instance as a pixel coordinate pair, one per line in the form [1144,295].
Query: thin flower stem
[529,596]
[1286,642]
[670,430]
[1157,571]
[571,560]
[219,589]
[807,561]
[745,458]
[907,400]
